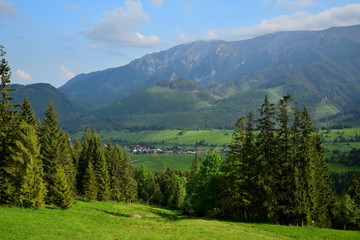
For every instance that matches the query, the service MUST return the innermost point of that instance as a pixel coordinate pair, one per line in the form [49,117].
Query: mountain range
[211,84]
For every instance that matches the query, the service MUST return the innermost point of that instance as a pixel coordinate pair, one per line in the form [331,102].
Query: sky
[53,41]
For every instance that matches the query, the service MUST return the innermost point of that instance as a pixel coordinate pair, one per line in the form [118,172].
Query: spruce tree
[97,155]
[303,152]
[89,184]
[66,160]
[24,183]
[50,145]
[266,153]
[236,190]
[115,172]
[285,175]
[27,114]
[61,193]
[322,191]
[84,156]
[8,123]
[128,182]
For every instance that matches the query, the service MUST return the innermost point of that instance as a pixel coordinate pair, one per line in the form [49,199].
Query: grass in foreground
[109,220]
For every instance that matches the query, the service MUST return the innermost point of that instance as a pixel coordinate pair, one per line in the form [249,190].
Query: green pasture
[332,135]
[110,220]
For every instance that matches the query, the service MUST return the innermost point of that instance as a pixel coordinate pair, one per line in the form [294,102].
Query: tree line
[275,170]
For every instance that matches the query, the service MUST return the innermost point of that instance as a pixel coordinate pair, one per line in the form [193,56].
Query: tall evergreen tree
[266,158]
[237,174]
[115,172]
[285,176]
[8,122]
[50,145]
[61,193]
[24,183]
[322,191]
[89,184]
[84,156]
[128,182]
[27,114]
[97,155]
[303,152]
[66,160]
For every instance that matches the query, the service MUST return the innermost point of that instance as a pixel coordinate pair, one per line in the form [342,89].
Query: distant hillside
[179,104]
[39,95]
[227,68]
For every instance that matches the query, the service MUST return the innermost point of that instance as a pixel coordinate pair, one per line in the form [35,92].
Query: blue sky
[52,41]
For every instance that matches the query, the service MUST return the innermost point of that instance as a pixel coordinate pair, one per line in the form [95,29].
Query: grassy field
[109,220]
[168,138]
[335,139]
[213,139]
[183,162]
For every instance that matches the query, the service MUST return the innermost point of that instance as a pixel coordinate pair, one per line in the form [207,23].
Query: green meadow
[110,220]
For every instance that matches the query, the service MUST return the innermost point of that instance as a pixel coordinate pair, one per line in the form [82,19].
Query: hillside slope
[237,66]
[39,95]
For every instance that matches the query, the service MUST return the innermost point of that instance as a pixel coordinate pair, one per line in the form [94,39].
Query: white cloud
[23,75]
[120,27]
[65,74]
[157,3]
[291,4]
[7,9]
[337,16]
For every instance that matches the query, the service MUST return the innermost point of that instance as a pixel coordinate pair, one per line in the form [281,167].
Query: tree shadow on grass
[158,212]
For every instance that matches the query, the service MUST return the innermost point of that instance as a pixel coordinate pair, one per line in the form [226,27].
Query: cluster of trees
[351,158]
[38,165]
[35,165]
[275,172]
[103,173]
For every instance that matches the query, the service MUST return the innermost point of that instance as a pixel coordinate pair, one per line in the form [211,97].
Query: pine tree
[115,172]
[89,184]
[237,174]
[321,185]
[266,158]
[100,167]
[84,156]
[66,161]
[8,124]
[128,182]
[25,186]
[303,153]
[61,193]
[50,145]
[285,176]
[27,113]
